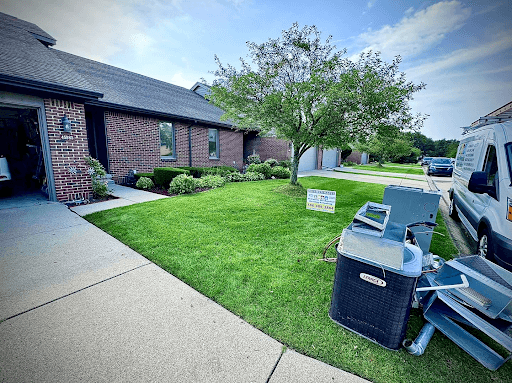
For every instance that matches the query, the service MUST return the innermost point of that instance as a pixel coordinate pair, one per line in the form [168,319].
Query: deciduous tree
[305,91]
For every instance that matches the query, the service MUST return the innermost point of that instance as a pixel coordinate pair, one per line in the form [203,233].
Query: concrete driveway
[78,305]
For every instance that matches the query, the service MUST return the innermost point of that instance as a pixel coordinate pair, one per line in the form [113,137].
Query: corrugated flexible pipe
[420,344]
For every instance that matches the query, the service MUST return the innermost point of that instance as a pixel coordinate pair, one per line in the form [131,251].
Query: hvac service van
[481,195]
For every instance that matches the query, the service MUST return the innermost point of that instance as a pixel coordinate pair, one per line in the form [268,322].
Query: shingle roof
[24,58]
[6,19]
[125,88]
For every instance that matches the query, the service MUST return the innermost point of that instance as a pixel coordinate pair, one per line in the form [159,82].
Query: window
[491,166]
[213,143]
[167,141]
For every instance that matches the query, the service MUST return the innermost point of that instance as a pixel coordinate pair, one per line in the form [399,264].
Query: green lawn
[256,252]
[390,169]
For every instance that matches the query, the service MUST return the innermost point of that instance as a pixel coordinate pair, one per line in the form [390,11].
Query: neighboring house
[126,120]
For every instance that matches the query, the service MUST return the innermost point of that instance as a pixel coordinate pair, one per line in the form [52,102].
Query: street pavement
[78,305]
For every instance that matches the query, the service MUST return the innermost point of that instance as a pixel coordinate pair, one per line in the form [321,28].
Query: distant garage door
[308,160]
[330,158]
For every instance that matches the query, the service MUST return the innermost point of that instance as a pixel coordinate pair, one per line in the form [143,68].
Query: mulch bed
[163,191]
[92,200]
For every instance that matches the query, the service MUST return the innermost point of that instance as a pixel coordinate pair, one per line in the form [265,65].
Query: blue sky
[461,49]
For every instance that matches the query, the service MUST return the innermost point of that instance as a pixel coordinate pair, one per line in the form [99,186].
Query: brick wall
[68,150]
[354,157]
[134,144]
[267,147]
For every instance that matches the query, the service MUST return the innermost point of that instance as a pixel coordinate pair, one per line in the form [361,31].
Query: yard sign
[321,200]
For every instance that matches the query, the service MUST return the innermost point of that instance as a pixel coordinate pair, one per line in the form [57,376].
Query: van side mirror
[478,184]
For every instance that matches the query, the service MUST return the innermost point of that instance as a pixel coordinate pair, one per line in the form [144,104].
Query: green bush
[147,175]
[280,172]
[194,171]
[220,170]
[272,162]
[182,184]
[97,172]
[210,181]
[253,176]
[163,176]
[286,164]
[249,176]
[349,163]
[144,183]
[254,159]
[264,169]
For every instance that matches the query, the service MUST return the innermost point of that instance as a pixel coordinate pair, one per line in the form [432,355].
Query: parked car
[426,160]
[440,166]
[481,195]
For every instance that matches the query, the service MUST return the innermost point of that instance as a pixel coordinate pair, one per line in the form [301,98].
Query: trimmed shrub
[147,175]
[220,170]
[253,176]
[254,159]
[163,176]
[264,169]
[280,172]
[194,171]
[210,181]
[144,183]
[249,176]
[272,162]
[182,184]
[286,164]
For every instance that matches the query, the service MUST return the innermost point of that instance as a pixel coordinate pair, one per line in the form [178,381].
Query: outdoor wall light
[66,124]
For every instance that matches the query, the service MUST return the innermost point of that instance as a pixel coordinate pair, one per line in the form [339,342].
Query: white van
[481,195]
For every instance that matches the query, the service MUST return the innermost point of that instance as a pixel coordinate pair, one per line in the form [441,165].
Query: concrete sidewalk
[78,305]
[405,180]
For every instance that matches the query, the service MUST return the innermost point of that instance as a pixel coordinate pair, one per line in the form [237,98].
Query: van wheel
[452,211]
[485,245]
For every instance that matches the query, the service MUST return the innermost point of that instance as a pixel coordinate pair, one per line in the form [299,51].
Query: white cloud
[419,32]
[179,80]
[371,3]
[500,43]
[95,29]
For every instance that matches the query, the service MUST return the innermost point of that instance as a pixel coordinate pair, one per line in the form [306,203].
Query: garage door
[330,158]
[308,160]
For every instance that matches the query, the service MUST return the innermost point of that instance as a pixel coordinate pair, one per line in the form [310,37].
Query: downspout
[190,143]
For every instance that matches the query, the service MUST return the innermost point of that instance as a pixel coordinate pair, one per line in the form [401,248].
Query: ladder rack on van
[483,121]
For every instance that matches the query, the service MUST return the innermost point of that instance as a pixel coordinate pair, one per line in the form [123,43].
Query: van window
[508,150]
[491,166]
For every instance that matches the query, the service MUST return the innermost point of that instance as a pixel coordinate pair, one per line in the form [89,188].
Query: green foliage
[286,164]
[264,169]
[148,175]
[431,148]
[349,163]
[144,183]
[210,181]
[254,159]
[97,172]
[392,149]
[220,170]
[272,162]
[305,91]
[163,176]
[194,171]
[248,176]
[280,172]
[182,184]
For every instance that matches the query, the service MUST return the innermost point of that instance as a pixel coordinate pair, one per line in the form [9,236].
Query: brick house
[125,120]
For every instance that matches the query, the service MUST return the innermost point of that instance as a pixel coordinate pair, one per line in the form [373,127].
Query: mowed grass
[256,252]
[417,170]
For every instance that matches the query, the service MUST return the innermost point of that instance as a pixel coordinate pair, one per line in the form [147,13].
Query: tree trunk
[295,167]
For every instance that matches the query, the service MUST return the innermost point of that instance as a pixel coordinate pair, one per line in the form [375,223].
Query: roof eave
[132,109]
[48,87]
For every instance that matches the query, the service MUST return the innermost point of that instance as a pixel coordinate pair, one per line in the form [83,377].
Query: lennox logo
[372,279]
